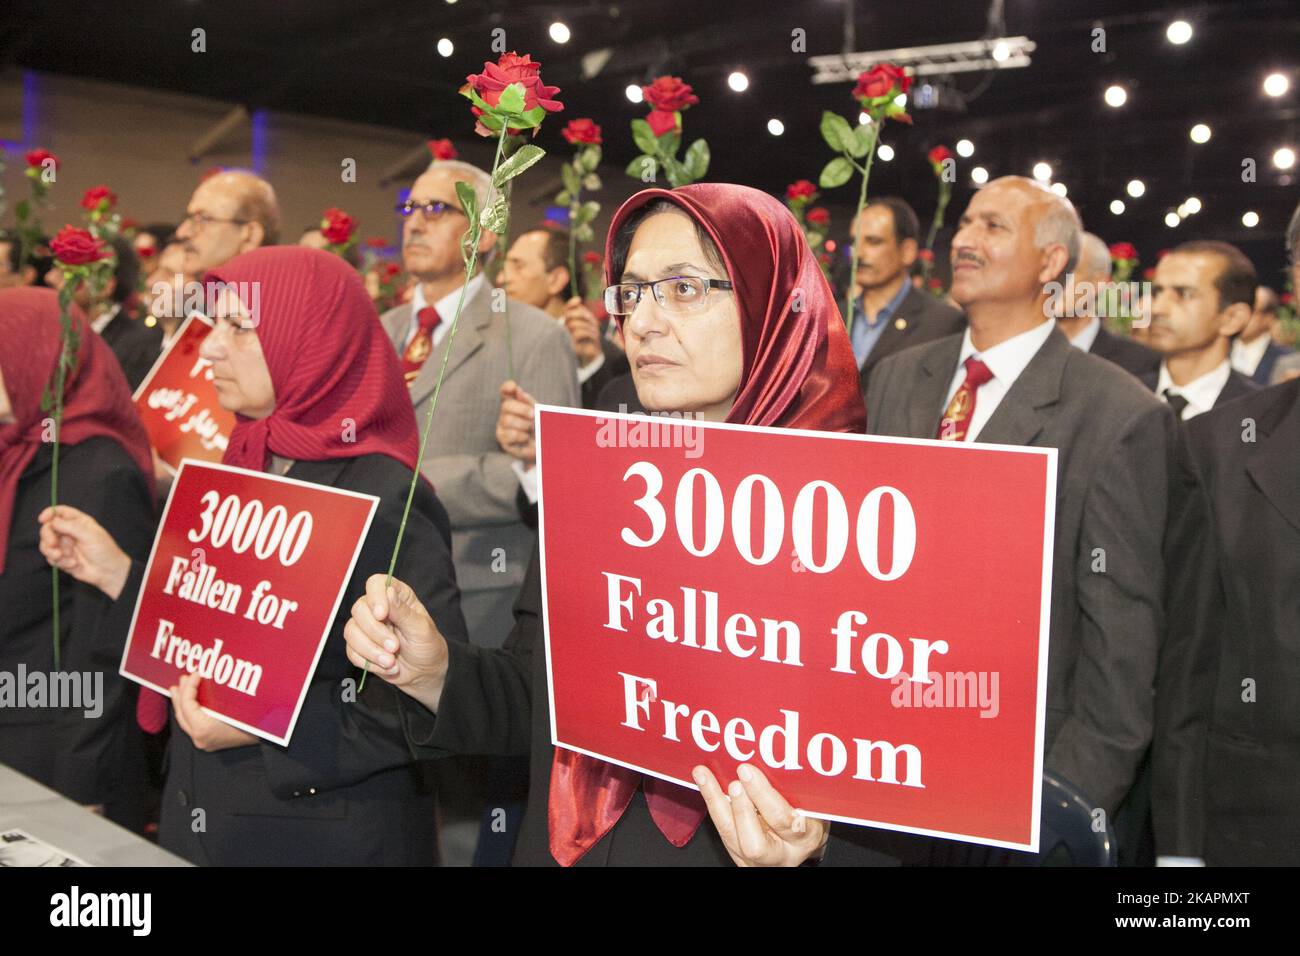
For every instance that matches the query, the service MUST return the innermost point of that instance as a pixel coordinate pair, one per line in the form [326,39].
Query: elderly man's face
[213,232]
[994,258]
[431,246]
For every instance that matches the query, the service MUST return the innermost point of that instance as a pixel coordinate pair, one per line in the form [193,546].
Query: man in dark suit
[1082,324]
[536,272]
[889,314]
[1254,353]
[1201,300]
[1013,378]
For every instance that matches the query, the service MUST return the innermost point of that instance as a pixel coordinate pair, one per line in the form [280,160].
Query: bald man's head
[229,213]
[1014,238]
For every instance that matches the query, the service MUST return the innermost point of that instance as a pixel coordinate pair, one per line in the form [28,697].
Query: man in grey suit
[1013,378]
[474,478]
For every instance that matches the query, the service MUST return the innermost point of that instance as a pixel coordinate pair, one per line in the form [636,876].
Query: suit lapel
[892,338]
[1276,463]
[927,399]
[1019,418]
[474,318]
[397,323]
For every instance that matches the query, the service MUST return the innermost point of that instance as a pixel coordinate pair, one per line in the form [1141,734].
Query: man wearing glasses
[230,213]
[474,477]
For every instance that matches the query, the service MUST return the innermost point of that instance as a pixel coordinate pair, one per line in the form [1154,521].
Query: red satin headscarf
[339,391]
[333,369]
[97,401]
[798,372]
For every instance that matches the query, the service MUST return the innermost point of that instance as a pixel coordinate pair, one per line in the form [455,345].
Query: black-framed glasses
[432,209]
[201,219]
[677,294]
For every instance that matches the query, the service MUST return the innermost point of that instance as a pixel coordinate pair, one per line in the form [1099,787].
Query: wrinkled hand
[77,544]
[757,825]
[393,633]
[208,733]
[584,330]
[515,424]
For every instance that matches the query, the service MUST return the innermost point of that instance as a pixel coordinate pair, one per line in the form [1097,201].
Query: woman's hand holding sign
[757,825]
[208,733]
[394,635]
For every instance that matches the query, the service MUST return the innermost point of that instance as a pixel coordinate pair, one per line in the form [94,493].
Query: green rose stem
[945,194]
[504,251]
[853,239]
[469,251]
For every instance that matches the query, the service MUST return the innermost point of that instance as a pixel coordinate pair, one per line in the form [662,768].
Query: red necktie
[957,416]
[421,345]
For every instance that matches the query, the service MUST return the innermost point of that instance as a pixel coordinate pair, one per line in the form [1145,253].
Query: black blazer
[89,760]
[1264,371]
[1235,387]
[921,318]
[615,365]
[1133,357]
[346,790]
[136,345]
[1245,667]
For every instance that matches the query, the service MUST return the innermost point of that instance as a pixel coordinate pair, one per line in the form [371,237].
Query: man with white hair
[1082,324]
[1012,378]
[475,479]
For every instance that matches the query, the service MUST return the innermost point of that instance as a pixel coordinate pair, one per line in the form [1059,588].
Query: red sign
[864,619]
[178,404]
[243,582]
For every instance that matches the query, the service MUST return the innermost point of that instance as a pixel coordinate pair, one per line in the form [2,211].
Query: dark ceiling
[377,63]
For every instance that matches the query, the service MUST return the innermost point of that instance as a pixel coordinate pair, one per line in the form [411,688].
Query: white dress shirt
[1006,361]
[1201,393]
[100,322]
[1087,335]
[1246,356]
[446,307]
[591,368]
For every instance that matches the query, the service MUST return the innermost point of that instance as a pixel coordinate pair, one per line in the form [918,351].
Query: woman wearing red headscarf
[725,314]
[319,397]
[92,752]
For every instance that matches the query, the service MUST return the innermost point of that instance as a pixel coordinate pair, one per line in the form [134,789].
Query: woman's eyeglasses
[431,209]
[676,294]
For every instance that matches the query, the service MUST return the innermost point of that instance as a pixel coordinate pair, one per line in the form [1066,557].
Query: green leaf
[838,134]
[468,200]
[835,173]
[512,99]
[570,177]
[644,136]
[583,234]
[516,164]
[586,213]
[590,158]
[591,182]
[496,217]
[864,137]
[697,159]
[670,142]
[563,198]
[644,168]
[676,173]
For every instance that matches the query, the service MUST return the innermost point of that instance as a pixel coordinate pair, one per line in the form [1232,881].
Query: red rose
[936,283]
[592,259]
[581,131]
[377,242]
[77,247]
[36,158]
[337,227]
[938,155]
[926,255]
[391,270]
[800,191]
[442,149]
[1286,298]
[1149,273]
[96,195]
[1162,253]
[146,252]
[513,68]
[880,80]
[818,216]
[670,94]
[662,121]
[1123,250]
